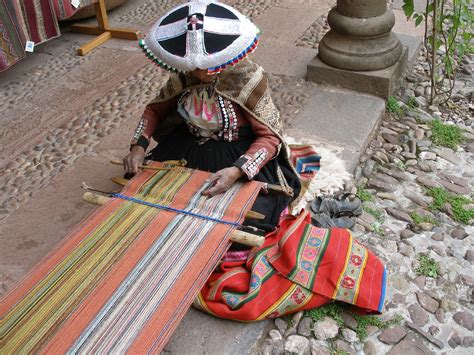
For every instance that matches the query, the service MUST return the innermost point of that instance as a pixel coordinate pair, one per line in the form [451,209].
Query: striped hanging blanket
[299,267]
[125,277]
[12,33]
[33,20]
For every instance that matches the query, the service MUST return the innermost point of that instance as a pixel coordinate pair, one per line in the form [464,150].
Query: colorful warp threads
[125,277]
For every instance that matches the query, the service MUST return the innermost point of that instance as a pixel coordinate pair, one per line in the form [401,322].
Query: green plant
[393,106]
[334,351]
[448,25]
[364,321]
[446,135]
[377,229]
[412,103]
[333,310]
[428,266]
[378,214]
[290,323]
[363,194]
[402,166]
[442,196]
[418,219]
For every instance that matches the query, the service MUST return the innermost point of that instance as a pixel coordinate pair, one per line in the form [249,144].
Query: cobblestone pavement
[146,13]
[402,223]
[418,218]
[34,169]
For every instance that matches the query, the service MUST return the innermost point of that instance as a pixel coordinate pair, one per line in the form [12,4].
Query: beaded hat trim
[200,35]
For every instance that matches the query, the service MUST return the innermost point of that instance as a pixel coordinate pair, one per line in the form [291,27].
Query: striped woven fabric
[33,20]
[64,9]
[12,37]
[305,160]
[125,277]
[298,267]
[40,20]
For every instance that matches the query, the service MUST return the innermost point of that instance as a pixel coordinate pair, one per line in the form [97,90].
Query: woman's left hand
[222,180]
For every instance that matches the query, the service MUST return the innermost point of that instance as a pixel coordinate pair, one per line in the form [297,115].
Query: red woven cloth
[299,267]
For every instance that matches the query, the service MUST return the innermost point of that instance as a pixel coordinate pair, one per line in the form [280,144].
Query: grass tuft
[442,196]
[378,214]
[446,135]
[377,229]
[393,106]
[332,310]
[428,266]
[363,323]
[412,103]
[363,194]
[418,219]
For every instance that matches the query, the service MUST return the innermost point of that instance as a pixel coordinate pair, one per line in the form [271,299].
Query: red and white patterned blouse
[213,117]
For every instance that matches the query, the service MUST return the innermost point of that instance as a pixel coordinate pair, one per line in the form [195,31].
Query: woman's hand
[134,159]
[222,180]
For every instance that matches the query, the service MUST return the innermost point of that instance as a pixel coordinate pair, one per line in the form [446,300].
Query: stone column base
[382,83]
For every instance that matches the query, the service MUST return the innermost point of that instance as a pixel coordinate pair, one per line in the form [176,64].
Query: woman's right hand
[134,159]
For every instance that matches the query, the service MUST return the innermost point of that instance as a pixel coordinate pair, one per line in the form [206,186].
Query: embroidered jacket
[212,117]
[245,85]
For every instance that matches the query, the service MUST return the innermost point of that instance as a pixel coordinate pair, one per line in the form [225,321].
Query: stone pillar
[360,37]
[360,40]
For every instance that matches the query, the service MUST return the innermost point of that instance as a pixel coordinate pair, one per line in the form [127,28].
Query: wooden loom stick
[145,167]
[250,214]
[237,235]
[271,188]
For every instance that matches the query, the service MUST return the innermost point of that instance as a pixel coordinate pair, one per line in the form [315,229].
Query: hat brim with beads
[200,35]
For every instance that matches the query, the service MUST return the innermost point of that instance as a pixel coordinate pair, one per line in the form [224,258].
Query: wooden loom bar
[145,167]
[102,30]
[237,236]
[272,188]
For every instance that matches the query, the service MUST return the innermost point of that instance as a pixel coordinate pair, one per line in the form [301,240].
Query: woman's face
[202,75]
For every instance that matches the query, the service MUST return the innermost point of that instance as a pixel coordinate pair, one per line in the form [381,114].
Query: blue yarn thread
[171,209]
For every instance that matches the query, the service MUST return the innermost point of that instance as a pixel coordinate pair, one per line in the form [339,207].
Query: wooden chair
[102,30]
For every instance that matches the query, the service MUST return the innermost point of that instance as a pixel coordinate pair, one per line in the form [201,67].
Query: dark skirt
[216,155]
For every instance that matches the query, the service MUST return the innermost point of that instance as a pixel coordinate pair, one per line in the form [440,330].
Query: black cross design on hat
[226,28]
[195,22]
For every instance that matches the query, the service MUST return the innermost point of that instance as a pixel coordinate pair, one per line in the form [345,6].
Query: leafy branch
[448,26]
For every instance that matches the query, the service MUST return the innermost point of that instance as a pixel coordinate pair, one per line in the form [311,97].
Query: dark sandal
[337,207]
[323,220]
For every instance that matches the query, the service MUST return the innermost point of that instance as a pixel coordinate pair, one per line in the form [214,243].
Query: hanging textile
[65,10]
[12,33]
[298,267]
[32,20]
[125,277]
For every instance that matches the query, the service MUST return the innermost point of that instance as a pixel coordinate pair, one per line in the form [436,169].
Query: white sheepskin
[331,177]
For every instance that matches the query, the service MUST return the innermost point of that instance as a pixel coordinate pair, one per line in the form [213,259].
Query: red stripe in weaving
[32,23]
[48,20]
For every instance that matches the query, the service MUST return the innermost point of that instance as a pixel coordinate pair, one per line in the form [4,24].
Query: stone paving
[396,169]
[411,232]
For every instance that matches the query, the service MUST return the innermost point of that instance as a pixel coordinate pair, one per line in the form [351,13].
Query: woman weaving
[216,112]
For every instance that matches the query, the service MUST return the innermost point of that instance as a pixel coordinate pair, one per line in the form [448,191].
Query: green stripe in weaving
[301,244]
[321,253]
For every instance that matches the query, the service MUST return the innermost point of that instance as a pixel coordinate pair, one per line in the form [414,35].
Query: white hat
[200,35]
